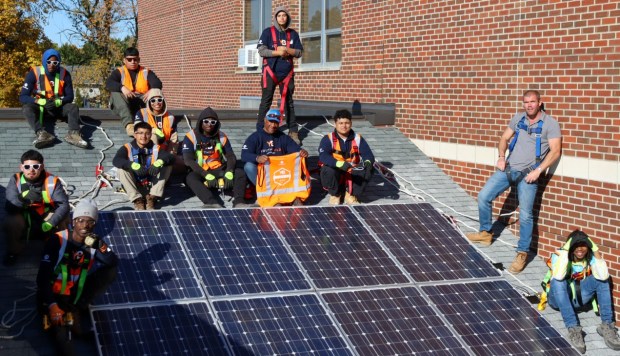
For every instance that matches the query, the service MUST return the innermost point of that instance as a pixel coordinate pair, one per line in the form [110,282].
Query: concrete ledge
[376,114]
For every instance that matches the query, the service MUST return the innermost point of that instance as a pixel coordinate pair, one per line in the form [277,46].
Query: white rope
[9,318]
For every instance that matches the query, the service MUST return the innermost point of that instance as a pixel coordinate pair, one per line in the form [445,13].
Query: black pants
[195,182]
[267,99]
[331,180]
[69,111]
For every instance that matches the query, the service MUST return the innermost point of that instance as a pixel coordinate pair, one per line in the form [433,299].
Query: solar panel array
[371,279]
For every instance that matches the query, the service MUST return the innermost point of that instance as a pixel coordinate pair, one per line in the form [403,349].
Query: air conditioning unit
[248,56]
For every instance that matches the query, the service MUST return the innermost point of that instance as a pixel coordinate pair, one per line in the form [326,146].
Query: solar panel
[280,326]
[152,263]
[238,252]
[493,319]
[395,321]
[425,243]
[335,249]
[158,330]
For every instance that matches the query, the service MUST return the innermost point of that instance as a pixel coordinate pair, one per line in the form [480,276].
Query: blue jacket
[26,97]
[325,149]
[260,143]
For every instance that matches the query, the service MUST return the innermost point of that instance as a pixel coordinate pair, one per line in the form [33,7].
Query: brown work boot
[43,139]
[150,202]
[334,199]
[483,237]
[139,204]
[73,138]
[519,263]
[129,130]
[295,137]
[350,199]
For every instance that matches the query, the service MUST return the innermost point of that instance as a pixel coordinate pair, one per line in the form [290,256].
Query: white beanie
[86,207]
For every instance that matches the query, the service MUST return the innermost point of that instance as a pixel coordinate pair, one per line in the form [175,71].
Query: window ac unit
[248,57]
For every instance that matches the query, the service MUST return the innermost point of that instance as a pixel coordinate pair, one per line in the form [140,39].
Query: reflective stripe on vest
[134,156]
[353,156]
[142,84]
[214,160]
[67,277]
[47,193]
[538,134]
[166,121]
[282,179]
[44,88]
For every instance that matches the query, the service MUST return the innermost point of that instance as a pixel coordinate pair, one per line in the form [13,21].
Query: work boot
[609,332]
[139,204]
[575,337]
[240,204]
[129,130]
[350,199]
[483,237]
[43,139]
[150,202]
[519,263]
[334,199]
[295,137]
[73,138]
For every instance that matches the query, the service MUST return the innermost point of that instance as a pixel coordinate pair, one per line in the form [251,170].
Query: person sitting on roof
[76,267]
[48,91]
[346,161]
[208,154]
[143,168]
[36,205]
[578,275]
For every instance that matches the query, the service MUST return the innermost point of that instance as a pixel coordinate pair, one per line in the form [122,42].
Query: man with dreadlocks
[579,274]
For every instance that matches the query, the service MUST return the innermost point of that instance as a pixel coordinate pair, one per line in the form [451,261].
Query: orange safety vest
[282,179]
[214,155]
[43,88]
[165,125]
[142,85]
[352,156]
[71,270]
[49,185]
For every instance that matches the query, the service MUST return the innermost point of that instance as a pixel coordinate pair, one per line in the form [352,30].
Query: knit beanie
[86,207]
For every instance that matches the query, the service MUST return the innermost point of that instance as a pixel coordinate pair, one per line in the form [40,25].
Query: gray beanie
[86,207]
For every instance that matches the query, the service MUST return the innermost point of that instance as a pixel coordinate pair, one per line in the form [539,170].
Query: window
[256,18]
[321,34]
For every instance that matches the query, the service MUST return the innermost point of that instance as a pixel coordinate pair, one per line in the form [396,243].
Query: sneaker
[43,139]
[575,337]
[297,202]
[129,130]
[9,259]
[519,263]
[139,204]
[350,199]
[609,332]
[483,237]
[295,137]
[73,138]
[334,199]
[150,202]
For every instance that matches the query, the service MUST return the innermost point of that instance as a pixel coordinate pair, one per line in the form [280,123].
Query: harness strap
[268,71]
[63,270]
[537,131]
[82,281]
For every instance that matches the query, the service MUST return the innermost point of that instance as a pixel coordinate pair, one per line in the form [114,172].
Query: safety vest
[282,179]
[353,156]
[71,269]
[163,123]
[49,185]
[142,85]
[43,88]
[133,154]
[210,157]
[522,125]
[267,71]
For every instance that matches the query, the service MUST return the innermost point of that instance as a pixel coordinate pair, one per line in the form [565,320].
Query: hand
[46,226]
[128,93]
[58,103]
[154,170]
[33,195]
[228,180]
[532,177]
[50,105]
[174,138]
[56,314]
[368,169]
[501,164]
[91,240]
[280,51]
[210,181]
[41,102]
[303,153]
[343,165]
[262,159]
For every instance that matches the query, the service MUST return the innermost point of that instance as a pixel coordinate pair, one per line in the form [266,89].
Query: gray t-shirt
[524,153]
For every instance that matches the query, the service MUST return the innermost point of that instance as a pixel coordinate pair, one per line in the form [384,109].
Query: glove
[58,102]
[368,170]
[159,163]
[92,240]
[139,170]
[158,132]
[50,105]
[56,314]
[41,102]
[210,181]
[228,180]
[343,165]
[33,195]
[46,226]
[156,167]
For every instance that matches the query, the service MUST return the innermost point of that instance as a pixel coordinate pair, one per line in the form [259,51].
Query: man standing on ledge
[278,44]
[536,145]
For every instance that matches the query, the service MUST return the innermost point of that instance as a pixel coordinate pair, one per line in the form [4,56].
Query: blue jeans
[496,185]
[251,170]
[560,296]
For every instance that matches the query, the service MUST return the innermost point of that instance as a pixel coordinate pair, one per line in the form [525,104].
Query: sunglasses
[132,59]
[54,63]
[156,100]
[87,222]
[34,166]
[209,122]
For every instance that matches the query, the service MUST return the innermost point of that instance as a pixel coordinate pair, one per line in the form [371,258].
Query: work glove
[228,180]
[156,167]
[46,226]
[41,102]
[139,169]
[343,165]
[50,105]
[32,195]
[58,103]
[56,314]
[368,170]
[210,181]
[92,241]
[158,132]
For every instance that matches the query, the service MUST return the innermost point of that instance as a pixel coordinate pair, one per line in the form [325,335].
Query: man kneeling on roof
[143,168]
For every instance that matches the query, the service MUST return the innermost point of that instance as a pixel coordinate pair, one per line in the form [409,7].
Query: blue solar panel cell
[238,252]
[280,326]
[152,263]
[493,319]
[425,243]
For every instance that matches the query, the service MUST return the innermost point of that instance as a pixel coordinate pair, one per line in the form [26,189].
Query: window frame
[323,34]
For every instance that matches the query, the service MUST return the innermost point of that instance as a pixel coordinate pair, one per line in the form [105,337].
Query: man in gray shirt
[536,145]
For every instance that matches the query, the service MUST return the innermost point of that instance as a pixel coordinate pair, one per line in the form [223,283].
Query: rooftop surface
[416,173]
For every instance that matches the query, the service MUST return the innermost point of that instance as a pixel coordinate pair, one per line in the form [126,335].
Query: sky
[56,30]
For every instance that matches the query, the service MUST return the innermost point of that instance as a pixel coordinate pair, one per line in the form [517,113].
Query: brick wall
[455,70]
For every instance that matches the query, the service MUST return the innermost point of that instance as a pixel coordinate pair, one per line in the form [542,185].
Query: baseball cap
[273,115]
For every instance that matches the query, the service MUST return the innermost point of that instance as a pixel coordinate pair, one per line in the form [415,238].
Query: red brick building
[455,71]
